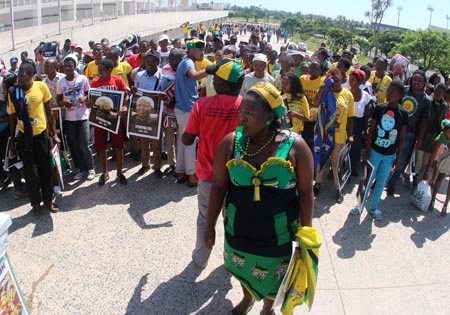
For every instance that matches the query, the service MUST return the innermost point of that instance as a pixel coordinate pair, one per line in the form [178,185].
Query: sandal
[53,207]
[444,211]
[242,308]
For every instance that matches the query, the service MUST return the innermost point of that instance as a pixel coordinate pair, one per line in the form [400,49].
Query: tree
[427,48]
[365,44]
[338,36]
[388,40]
[379,8]
[291,24]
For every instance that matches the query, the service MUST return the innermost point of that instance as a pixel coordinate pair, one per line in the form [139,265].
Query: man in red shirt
[107,81]
[212,118]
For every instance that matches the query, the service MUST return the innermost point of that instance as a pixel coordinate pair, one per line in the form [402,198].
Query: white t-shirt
[251,80]
[361,105]
[79,86]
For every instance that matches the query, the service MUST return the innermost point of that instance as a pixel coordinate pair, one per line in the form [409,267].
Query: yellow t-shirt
[300,106]
[203,29]
[345,108]
[37,96]
[201,65]
[381,86]
[122,69]
[334,65]
[91,71]
[311,88]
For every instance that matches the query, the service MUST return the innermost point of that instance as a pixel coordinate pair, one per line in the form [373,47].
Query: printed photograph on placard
[145,114]
[105,107]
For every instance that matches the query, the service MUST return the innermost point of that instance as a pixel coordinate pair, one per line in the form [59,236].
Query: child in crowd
[441,143]
[296,101]
[385,140]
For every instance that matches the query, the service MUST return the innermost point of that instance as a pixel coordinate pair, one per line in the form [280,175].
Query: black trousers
[37,169]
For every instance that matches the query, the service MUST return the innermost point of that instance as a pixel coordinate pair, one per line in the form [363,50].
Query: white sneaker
[79,175]
[91,175]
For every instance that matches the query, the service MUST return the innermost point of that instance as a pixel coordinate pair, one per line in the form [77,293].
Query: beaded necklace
[245,151]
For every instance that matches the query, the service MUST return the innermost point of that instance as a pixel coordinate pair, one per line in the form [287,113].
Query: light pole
[399,9]
[431,9]
[448,18]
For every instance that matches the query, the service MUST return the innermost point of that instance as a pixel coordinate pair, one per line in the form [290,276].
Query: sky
[414,14]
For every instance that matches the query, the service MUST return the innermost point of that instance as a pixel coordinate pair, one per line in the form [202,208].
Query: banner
[145,114]
[106,105]
[11,299]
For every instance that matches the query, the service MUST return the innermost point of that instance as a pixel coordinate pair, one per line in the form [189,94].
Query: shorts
[101,138]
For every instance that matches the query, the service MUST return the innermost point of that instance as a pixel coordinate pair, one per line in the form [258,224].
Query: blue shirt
[146,82]
[186,88]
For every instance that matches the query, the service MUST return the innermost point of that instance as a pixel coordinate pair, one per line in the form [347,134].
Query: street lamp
[448,18]
[399,9]
[431,9]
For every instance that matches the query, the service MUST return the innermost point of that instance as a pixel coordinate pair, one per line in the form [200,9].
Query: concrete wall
[149,25]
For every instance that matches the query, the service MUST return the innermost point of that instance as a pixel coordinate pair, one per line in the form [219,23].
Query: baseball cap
[260,57]
[163,37]
[13,59]
[153,54]
[195,43]
[226,69]
[292,52]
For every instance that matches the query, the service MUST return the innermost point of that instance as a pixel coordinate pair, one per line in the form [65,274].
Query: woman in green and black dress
[266,175]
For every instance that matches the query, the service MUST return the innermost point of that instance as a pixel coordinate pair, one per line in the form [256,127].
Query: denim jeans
[405,156]
[78,135]
[355,150]
[382,167]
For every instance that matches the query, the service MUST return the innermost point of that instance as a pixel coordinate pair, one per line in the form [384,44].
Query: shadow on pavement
[181,295]
[354,236]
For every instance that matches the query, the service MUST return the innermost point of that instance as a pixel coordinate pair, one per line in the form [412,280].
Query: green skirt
[260,275]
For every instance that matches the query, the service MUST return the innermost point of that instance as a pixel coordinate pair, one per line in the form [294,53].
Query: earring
[268,122]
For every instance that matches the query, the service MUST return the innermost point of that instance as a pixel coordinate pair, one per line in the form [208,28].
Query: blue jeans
[355,150]
[382,167]
[405,156]
[78,135]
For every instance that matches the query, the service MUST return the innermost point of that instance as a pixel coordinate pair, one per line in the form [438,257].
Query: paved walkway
[126,250]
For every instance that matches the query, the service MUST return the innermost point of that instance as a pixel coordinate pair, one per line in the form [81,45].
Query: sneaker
[316,189]
[158,173]
[389,191]
[121,179]
[79,175]
[103,179]
[355,210]
[91,175]
[376,214]
[143,170]
[170,170]
[339,197]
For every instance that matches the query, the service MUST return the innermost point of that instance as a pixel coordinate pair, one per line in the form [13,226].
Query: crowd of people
[253,128]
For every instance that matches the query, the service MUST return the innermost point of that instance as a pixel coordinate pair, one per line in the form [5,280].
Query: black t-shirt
[389,123]
[417,107]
